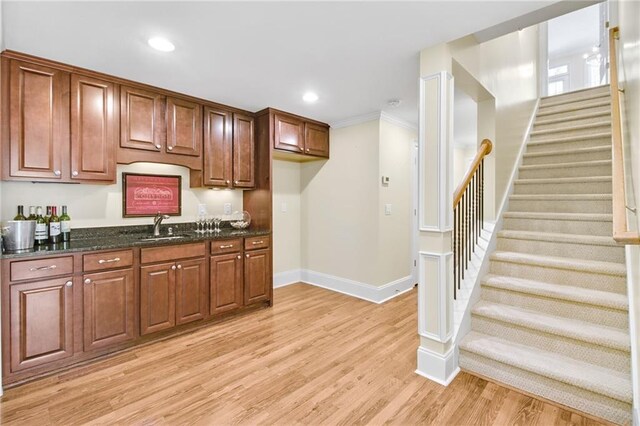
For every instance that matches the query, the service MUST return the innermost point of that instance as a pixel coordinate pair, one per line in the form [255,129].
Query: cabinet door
[142,124]
[94,128]
[184,127]
[109,308]
[316,140]
[41,322]
[288,133]
[243,151]
[157,297]
[191,290]
[38,122]
[218,159]
[257,276]
[226,291]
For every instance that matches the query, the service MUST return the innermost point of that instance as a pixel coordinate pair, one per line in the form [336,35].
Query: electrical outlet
[227,208]
[283,207]
[387,209]
[202,209]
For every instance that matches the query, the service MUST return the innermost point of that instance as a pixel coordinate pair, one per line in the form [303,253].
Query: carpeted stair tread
[571,128]
[568,151]
[599,135]
[587,91]
[590,266]
[562,197]
[559,238]
[589,217]
[564,292]
[577,179]
[610,337]
[570,108]
[591,163]
[594,378]
[549,102]
[576,117]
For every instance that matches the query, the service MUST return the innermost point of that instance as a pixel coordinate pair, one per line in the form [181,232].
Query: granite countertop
[92,239]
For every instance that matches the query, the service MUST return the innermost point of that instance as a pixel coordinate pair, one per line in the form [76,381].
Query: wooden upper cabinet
[142,124]
[218,147]
[288,133]
[38,111]
[94,129]
[184,127]
[243,151]
[191,290]
[316,138]
[41,322]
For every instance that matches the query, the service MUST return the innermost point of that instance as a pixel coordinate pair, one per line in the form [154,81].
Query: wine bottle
[20,215]
[46,219]
[32,213]
[65,225]
[41,228]
[54,226]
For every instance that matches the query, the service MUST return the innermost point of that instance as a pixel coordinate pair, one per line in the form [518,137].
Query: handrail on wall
[621,233]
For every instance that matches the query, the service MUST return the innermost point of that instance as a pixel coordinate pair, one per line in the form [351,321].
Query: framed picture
[148,195]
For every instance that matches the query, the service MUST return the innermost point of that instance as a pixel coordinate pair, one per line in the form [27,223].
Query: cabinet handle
[87,281]
[257,242]
[69,283]
[43,268]
[115,259]
[158,146]
[57,172]
[170,148]
[173,267]
[246,255]
[74,173]
[179,266]
[227,246]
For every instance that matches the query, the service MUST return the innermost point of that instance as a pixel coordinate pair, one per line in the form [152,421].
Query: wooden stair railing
[621,233]
[468,214]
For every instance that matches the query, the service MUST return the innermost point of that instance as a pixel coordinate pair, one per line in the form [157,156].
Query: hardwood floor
[315,357]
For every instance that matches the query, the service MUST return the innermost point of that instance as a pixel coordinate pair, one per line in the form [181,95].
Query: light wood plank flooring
[316,357]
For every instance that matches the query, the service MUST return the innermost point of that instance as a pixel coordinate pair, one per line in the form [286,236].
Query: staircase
[553,315]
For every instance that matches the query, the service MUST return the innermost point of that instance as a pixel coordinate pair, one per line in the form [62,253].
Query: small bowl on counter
[240,220]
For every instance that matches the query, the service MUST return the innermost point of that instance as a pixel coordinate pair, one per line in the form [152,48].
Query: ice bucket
[18,234]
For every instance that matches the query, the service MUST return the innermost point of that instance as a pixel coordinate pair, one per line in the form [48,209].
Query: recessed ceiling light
[310,97]
[161,44]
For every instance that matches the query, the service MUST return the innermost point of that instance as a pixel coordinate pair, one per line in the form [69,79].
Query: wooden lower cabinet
[226,283]
[257,276]
[109,308]
[191,290]
[157,297]
[41,322]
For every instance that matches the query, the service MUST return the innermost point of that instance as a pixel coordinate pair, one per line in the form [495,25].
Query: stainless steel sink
[164,238]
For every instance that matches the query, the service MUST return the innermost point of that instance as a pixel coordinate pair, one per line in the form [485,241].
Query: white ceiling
[576,32]
[355,55]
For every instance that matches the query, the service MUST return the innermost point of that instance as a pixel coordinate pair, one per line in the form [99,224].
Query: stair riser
[557,307]
[571,396]
[558,206]
[563,188]
[571,250]
[559,226]
[603,282]
[576,96]
[584,105]
[575,120]
[569,132]
[569,157]
[570,145]
[562,172]
[571,114]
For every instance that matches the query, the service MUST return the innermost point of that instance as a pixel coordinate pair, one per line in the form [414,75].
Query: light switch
[202,209]
[227,208]
[283,207]
[387,209]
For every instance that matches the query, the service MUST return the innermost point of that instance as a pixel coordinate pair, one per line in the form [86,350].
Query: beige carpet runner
[553,315]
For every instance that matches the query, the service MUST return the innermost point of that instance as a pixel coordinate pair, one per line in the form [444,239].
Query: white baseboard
[439,368]
[636,417]
[346,286]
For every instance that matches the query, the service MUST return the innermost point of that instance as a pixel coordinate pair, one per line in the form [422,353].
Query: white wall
[286,224]
[101,205]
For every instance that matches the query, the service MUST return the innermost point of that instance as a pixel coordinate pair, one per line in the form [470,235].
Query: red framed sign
[148,195]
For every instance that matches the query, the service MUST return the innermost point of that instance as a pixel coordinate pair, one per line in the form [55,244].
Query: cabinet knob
[236,182]
[173,267]
[57,172]
[247,255]
[87,281]
[307,149]
[239,257]
[179,266]
[300,148]
[69,283]
[74,173]
[158,146]
[170,148]
[228,182]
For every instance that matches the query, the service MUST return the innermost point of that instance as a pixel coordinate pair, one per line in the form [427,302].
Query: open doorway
[576,51]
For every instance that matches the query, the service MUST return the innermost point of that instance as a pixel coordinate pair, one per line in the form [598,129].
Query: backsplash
[101,205]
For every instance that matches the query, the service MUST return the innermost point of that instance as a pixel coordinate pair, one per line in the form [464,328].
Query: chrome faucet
[157,222]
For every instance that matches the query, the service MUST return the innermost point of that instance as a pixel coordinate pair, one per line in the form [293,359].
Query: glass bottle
[20,215]
[55,236]
[65,225]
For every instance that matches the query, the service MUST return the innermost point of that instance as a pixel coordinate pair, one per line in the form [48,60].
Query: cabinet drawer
[108,260]
[226,246]
[256,242]
[168,253]
[41,268]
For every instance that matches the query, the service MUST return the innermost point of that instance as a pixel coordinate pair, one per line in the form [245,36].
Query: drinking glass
[216,220]
[210,220]
[200,222]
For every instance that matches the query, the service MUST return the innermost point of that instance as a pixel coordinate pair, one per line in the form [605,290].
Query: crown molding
[372,116]
[397,121]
